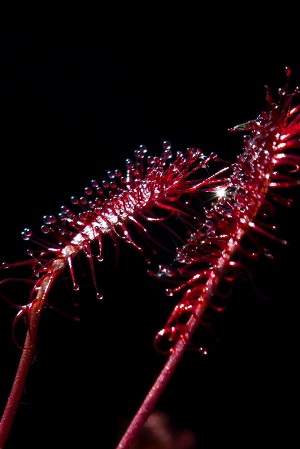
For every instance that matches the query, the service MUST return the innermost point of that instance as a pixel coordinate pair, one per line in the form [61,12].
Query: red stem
[17,389]
[178,351]
[27,356]
[153,396]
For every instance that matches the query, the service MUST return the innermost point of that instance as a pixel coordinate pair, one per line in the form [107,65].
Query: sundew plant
[217,214]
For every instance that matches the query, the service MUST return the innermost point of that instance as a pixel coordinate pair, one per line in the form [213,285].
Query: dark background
[78,93]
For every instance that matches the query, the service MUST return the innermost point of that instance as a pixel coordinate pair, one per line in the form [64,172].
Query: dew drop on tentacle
[5,265]
[26,234]
[83,200]
[105,184]
[110,174]
[118,173]
[167,150]
[167,145]
[203,351]
[67,211]
[100,192]
[94,183]
[140,152]
[139,155]
[88,191]
[151,160]
[169,292]
[49,219]
[45,229]
[288,71]
[74,200]
[113,185]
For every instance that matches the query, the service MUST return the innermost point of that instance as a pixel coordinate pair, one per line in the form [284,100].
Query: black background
[78,93]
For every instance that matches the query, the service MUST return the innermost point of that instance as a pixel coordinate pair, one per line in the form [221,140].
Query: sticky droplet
[203,351]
